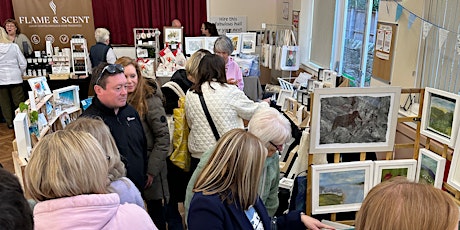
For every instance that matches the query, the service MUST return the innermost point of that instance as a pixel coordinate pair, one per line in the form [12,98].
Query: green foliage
[23,107]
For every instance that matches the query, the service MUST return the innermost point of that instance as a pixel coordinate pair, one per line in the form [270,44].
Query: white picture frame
[236,41]
[282,95]
[348,119]
[340,187]
[39,85]
[193,44]
[66,99]
[209,43]
[387,169]
[248,42]
[22,134]
[436,101]
[430,168]
[172,34]
[453,178]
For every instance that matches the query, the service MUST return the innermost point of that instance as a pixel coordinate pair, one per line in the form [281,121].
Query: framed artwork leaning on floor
[430,168]
[440,116]
[340,187]
[354,120]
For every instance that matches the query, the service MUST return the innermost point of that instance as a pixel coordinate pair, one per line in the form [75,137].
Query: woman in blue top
[226,190]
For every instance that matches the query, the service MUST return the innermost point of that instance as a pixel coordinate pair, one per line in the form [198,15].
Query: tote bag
[290,55]
[180,156]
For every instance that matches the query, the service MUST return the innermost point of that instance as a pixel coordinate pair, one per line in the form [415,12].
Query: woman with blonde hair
[404,205]
[68,174]
[145,96]
[13,65]
[119,183]
[226,191]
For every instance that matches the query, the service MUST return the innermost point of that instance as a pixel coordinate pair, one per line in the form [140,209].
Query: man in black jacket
[109,103]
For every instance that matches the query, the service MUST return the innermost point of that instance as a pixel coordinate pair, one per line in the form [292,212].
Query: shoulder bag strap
[208,116]
[175,87]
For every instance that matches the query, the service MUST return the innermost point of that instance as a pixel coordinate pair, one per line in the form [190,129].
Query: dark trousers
[10,97]
[157,213]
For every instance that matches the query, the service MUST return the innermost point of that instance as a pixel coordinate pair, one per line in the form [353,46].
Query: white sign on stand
[229,24]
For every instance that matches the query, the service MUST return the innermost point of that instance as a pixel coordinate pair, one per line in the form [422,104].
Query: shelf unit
[79,51]
[146,44]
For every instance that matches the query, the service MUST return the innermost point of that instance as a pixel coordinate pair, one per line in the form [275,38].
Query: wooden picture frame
[349,119]
[453,179]
[282,95]
[248,42]
[387,169]
[66,99]
[430,168]
[193,44]
[340,187]
[440,116]
[236,41]
[39,85]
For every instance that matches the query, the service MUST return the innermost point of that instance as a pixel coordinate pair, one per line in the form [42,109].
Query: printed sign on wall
[55,21]
[229,24]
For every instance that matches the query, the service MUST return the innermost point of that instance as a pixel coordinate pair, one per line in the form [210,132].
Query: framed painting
[440,116]
[282,95]
[39,85]
[340,187]
[348,119]
[453,179]
[236,41]
[66,99]
[172,34]
[209,43]
[193,44]
[387,169]
[248,42]
[430,168]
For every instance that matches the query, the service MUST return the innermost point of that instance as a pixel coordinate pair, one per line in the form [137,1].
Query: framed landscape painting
[193,44]
[354,120]
[248,42]
[440,116]
[430,168]
[453,179]
[66,99]
[340,187]
[387,169]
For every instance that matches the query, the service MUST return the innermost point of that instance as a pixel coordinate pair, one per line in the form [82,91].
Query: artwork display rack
[362,155]
[273,36]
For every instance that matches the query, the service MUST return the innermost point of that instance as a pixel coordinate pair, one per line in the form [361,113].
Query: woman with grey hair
[273,136]
[224,48]
[102,51]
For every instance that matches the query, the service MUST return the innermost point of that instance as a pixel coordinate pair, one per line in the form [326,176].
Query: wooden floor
[6,147]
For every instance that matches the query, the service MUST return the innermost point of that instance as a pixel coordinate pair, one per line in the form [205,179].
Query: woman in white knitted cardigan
[227,105]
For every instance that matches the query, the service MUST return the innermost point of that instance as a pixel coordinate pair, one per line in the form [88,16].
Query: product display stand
[146,44]
[79,51]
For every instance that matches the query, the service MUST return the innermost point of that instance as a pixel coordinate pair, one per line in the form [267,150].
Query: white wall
[256,11]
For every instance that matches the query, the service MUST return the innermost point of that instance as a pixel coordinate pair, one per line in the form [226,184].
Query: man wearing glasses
[109,103]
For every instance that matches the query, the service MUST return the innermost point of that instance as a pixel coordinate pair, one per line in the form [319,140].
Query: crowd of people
[110,169]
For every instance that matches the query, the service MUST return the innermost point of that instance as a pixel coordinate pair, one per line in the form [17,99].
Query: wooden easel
[389,155]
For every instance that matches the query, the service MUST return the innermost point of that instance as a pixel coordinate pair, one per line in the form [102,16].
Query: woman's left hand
[312,223]
[149,181]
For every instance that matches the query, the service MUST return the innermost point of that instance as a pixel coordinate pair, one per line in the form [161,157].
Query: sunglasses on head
[111,69]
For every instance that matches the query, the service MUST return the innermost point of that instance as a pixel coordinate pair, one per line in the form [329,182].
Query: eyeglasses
[278,147]
[111,69]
